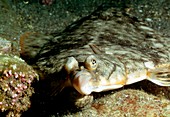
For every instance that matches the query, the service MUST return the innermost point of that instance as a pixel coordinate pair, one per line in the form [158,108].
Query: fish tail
[160,75]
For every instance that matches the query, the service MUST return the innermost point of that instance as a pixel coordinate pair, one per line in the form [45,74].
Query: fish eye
[91,63]
[71,64]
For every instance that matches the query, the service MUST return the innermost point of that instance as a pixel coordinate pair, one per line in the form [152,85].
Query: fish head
[95,74]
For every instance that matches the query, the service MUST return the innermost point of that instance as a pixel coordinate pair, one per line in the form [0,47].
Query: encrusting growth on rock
[16,78]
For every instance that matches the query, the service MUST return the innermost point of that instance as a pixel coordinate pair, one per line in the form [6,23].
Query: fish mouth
[86,82]
[81,82]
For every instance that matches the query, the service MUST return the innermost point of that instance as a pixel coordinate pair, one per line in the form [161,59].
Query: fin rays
[160,75]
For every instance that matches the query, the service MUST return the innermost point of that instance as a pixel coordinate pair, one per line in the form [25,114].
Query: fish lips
[82,82]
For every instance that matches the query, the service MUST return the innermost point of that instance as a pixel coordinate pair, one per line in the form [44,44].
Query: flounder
[104,51]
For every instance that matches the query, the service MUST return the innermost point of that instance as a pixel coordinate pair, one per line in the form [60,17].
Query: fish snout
[81,82]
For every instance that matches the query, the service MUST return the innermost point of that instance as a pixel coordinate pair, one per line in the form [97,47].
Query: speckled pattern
[126,103]
[119,43]
[120,36]
[123,41]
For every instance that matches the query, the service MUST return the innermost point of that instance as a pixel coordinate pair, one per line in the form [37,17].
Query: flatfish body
[105,51]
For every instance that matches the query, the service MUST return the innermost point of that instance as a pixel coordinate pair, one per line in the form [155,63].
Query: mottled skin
[105,51]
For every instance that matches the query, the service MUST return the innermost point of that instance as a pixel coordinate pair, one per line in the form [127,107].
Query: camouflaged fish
[105,51]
